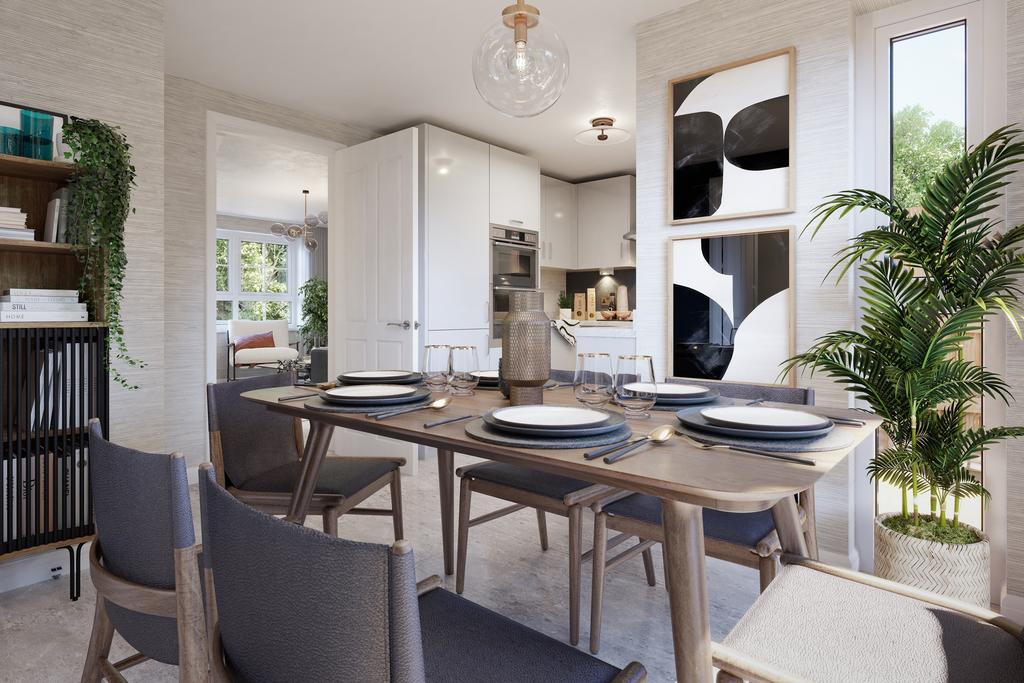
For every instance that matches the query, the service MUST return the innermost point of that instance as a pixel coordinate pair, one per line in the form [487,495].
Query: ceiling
[388,65]
[259,178]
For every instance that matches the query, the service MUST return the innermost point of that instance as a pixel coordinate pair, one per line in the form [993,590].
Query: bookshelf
[53,379]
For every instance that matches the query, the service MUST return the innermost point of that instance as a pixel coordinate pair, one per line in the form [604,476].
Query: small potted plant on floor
[930,278]
[565,306]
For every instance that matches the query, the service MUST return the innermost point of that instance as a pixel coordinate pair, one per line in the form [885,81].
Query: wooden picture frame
[790,326]
[716,137]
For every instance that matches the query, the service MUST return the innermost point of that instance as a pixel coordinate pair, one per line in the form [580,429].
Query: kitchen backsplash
[553,281]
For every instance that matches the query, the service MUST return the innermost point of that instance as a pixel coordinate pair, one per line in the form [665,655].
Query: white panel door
[372,283]
[457,244]
[515,189]
[558,230]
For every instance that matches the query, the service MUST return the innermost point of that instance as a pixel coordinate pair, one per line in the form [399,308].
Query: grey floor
[43,636]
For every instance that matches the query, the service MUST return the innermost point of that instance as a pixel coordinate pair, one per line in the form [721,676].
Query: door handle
[405,324]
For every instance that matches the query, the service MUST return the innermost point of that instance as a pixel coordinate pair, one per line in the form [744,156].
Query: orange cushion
[263,340]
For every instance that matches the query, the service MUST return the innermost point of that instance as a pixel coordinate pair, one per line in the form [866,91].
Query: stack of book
[41,305]
[12,224]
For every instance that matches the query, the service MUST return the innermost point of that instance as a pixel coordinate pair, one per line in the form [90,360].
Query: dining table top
[675,470]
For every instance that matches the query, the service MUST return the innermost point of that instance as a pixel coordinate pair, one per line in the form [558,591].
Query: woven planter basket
[960,572]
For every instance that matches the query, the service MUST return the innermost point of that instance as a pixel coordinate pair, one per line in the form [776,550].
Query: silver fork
[768,454]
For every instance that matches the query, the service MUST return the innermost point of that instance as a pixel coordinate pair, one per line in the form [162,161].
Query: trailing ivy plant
[97,211]
[314,312]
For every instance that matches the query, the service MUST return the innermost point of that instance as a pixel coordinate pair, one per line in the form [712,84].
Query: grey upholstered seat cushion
[742,528]
[823,628]
[338,476]
[524,479]
[465,642]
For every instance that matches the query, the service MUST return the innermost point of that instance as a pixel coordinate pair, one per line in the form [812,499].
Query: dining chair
[855,627]
[748,539]
[143,562]
[540,491]
[318,608]
[257,455]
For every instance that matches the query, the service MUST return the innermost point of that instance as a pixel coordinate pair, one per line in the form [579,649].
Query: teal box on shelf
[36,134]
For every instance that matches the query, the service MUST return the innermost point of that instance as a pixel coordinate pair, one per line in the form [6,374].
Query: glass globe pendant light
[305,231]
[521,65]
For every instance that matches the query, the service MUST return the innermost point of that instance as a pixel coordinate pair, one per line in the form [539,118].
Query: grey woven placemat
[839,437]
[480,431]
[720,401]
[317,403]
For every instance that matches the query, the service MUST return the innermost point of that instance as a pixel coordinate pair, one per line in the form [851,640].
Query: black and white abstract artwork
[732,315]
[731,140]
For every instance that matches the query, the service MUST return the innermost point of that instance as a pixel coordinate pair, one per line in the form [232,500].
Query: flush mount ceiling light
[602,131]
[521,65]
[305,231]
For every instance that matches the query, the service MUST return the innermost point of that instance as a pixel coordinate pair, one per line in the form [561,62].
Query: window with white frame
[256,277]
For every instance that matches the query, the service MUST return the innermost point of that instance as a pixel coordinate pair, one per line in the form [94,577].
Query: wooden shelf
[35,169]
[34,246]
[55,323]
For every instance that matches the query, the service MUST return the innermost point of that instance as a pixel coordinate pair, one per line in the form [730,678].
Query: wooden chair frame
[184,604]
[329,506]
[735,666]
[761,556]
[571,506]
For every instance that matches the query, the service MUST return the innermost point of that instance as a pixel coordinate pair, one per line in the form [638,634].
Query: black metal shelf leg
[75,577]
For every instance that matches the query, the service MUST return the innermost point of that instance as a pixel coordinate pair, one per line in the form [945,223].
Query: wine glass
[592,383]
[465,362]
[635,389]
[437,366]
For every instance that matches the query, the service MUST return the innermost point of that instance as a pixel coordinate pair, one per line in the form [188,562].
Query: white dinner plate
[378,374]
[668,390]
[760,417]
[550,417]
[486,374]
[371,391]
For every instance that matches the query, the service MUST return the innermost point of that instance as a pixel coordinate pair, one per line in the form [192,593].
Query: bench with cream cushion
[267,356]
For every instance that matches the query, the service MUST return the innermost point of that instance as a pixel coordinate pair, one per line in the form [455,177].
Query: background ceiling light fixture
[521,65]
[602,131]
[305,231]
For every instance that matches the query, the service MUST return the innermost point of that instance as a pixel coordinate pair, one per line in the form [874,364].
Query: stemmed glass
[592,383]
[635,389]
[465,362]
[437,367]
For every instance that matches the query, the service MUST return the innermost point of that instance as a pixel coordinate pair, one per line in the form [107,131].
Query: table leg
[446,481]
[683,526]
[787,524]
[317,443]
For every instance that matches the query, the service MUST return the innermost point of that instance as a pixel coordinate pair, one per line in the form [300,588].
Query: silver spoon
[657,435]
[437,404]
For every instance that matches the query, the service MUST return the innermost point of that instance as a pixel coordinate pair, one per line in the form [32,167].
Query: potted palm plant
[564,306]
[930,278]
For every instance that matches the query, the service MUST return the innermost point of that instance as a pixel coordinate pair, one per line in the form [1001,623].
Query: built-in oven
[515,264]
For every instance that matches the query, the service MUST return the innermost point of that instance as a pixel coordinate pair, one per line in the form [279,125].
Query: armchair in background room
[258,343]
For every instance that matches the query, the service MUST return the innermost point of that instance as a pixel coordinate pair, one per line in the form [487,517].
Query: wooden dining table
[685,478]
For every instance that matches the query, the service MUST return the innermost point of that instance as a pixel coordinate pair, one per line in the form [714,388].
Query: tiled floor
[43,636]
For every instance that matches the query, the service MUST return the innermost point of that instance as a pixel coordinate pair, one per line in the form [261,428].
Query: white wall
[714,32]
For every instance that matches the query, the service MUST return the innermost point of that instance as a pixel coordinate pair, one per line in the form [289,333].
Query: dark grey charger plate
[480,431]
[397,401]
[317,403]
[837,438]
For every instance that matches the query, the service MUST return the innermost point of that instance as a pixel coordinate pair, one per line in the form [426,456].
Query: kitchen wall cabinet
[607,210]
[558,244]
[514,190]
[456,244]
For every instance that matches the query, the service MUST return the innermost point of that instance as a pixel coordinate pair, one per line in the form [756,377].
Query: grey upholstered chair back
[768,392]
[252,438]
[297,605]
[142,512]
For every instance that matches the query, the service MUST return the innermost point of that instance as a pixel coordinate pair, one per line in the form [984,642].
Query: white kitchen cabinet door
[456,242]
[515,190]
[614,346]
[559,225]
[606,212]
